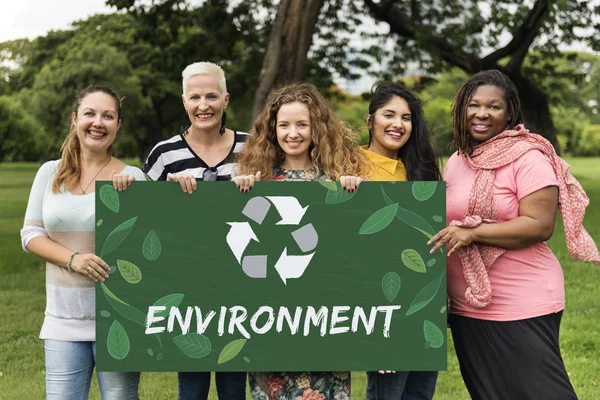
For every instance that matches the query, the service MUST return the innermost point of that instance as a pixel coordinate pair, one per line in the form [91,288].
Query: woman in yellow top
[399,149]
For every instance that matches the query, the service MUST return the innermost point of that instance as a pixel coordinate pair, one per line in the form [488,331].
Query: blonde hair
[333,150]
[69,167]
[204,68]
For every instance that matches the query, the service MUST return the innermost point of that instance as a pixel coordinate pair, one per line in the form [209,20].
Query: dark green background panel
[346,270]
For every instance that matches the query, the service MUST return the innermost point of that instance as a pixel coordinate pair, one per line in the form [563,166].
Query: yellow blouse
[382,168]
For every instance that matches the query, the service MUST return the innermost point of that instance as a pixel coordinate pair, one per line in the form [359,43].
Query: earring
[223,120]
[185,124]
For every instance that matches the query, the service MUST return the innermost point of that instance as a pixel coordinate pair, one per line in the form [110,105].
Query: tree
[21,136]
[287,53]
[470,35]
[141,54]
[458,34]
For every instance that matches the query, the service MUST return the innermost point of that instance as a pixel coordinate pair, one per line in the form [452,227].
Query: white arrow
[292,266]
[289,208]
[239,237]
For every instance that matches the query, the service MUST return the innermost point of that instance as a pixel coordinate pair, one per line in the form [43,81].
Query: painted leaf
[330,185]
[442,310]
[170,300]
[247,360]
[118,344]
[105,313]
[379,220]
[152,247]
[411,219]
[159,356]
[413,260]
[338,196]
[437,218]
[425,295]
[433,335]
[193,345]
[112,270]
[127,311]
[158,339]
[116,237]
[109,197]
[231,350]
[431,262]
[99,223]
[150,351]
[129,271]
[391,285]
[423,190]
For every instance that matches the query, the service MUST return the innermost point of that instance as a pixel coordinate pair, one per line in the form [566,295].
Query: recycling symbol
[288,266]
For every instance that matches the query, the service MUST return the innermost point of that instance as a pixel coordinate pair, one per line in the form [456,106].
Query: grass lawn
[22,302]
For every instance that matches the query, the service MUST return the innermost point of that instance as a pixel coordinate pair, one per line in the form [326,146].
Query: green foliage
[437,99]
[353,110]
[577,135]
[21,136]
[589,141]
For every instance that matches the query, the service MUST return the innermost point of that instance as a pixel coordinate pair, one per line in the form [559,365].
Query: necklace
[94,178]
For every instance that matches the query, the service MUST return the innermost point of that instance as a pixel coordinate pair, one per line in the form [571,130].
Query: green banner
[293,276]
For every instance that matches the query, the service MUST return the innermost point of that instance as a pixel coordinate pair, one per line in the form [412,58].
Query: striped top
[68,220]
[175,155]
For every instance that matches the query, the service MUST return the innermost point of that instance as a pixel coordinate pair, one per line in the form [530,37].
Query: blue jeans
[414,385]
[195,385]
[69,367]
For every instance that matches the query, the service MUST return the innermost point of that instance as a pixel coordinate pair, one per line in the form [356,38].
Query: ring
[89,268]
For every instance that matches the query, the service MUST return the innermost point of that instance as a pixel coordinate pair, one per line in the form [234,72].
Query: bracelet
[70,261]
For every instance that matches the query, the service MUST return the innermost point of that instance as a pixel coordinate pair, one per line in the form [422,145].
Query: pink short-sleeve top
[527,282]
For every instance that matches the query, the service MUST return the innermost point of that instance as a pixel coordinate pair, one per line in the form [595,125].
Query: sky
[32,18]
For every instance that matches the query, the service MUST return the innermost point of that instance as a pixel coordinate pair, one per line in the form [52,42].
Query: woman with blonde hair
[298,137]
[59,227]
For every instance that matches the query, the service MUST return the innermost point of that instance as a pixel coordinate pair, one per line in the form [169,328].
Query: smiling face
[487,114]
[204,100]
[390,127]
[97,121]
[293,130]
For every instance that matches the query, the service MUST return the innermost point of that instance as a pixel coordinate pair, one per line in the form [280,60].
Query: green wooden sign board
[293,276]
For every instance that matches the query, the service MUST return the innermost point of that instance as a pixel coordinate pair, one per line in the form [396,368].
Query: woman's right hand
[121,181]
[91,266]
[187,181]
[246,182]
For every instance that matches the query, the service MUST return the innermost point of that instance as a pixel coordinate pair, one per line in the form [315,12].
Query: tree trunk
[536,110]
[290,39]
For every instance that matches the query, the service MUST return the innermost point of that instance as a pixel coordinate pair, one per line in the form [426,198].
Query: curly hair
[333,150]
[69,168]
[492,77]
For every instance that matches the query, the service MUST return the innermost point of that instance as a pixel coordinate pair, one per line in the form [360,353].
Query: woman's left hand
[350,183]
[453,236]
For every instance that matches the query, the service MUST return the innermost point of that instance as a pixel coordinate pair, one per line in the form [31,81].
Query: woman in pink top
[506,288]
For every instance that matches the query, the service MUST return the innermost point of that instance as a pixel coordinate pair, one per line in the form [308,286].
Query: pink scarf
[494,153]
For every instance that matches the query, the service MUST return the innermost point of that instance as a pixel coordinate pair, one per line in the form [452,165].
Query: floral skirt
[299,385]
